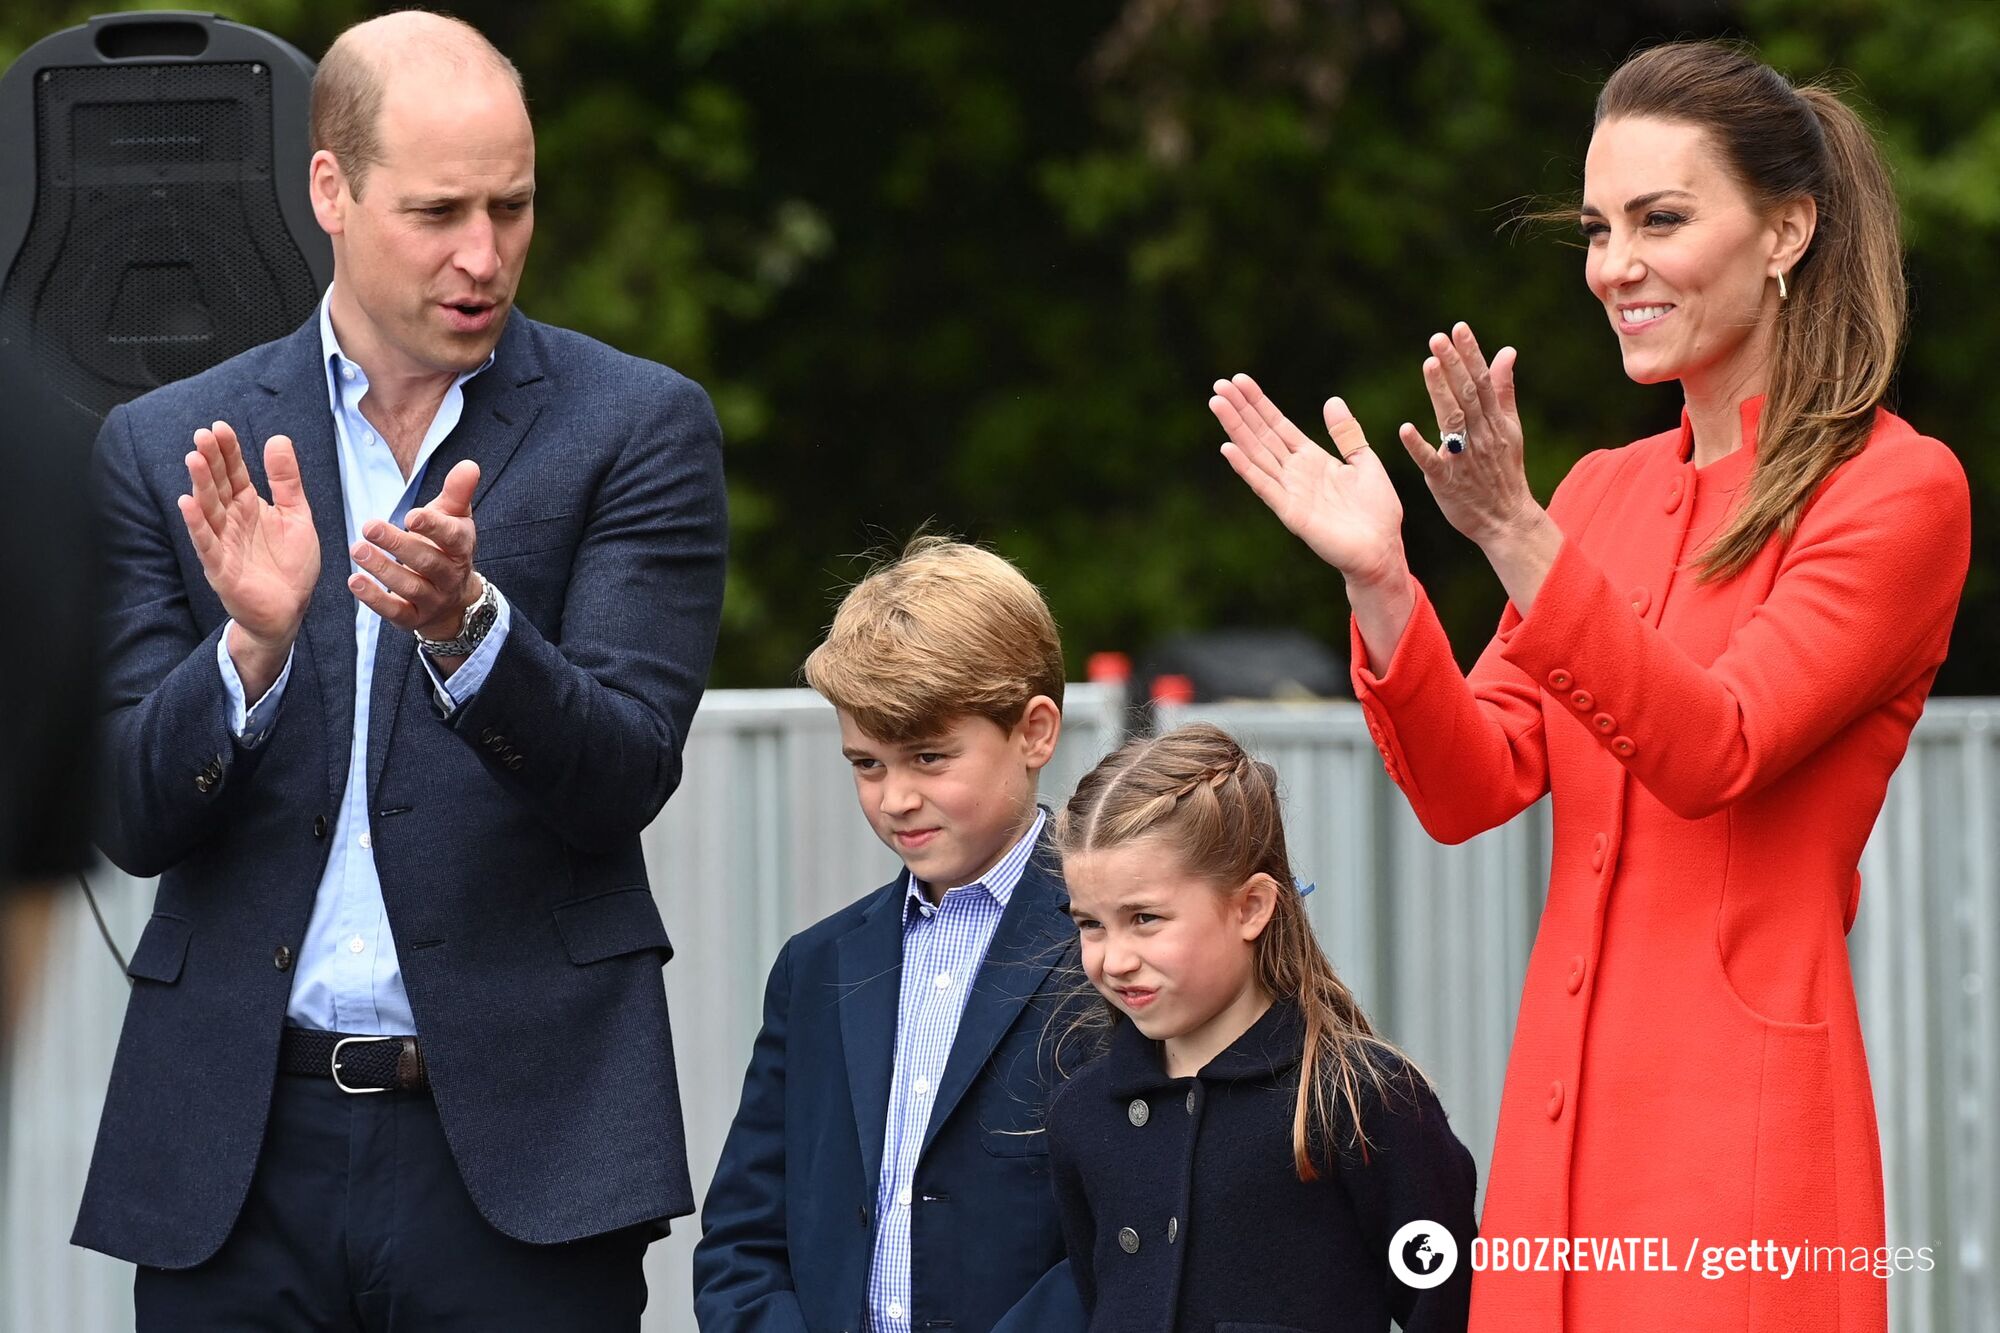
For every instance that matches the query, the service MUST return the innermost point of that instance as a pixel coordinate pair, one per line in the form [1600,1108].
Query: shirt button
[1128,1240]
[903,1196]
[281,958]
[1556,1100]
[366,841]
[347,372]
[1138,1112]
[368,436]
[923,1086]
[944,981]
[356,945]
[895,1309]
[1575,982]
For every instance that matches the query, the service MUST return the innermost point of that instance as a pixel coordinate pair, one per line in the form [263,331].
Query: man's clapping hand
[423,577]
[261,557]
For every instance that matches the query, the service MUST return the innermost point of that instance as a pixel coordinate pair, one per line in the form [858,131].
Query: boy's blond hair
[942,632]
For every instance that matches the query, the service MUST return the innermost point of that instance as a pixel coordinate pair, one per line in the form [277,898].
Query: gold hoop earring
[1783,295]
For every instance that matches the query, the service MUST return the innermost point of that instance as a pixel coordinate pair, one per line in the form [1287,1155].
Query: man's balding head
[353,79]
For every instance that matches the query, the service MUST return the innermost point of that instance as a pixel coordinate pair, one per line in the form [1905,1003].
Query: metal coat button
[1138,1112]
[1556,1100]
[1173,1229]
[1575,982]
[1128,1240]
[281,958]
[1190,1101]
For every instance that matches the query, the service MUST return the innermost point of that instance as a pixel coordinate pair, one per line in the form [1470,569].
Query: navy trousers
[357,1221]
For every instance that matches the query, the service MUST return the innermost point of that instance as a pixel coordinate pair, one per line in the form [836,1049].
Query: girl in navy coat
[1246,1156]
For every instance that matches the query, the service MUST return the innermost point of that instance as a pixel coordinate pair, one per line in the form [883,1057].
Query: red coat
[1687,1062]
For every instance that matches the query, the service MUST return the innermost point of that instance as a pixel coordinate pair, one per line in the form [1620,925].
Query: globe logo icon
[1422,1254]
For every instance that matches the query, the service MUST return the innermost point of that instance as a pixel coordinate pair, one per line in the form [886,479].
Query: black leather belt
[355,1064]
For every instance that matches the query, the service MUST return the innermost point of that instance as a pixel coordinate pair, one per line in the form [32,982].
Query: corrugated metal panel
[763,839]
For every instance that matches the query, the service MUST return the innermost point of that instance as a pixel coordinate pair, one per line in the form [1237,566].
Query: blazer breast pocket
[162,949]
[526,536]
[1023,1142]
[609,925]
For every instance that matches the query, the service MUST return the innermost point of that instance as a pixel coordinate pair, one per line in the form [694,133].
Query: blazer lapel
[1031,938]
[871,986]
[500,407]
[298,408]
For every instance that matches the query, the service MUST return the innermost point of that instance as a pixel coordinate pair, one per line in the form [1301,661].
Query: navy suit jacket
[506,837]
[788,1223]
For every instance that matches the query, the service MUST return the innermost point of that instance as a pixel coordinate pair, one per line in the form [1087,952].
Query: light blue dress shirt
[347,977]
[943,945]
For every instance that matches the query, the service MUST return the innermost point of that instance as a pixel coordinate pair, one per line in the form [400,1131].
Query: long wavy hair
[1195,791]
[1841,331]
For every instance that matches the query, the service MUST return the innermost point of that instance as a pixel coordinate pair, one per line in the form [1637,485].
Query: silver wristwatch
[472,630]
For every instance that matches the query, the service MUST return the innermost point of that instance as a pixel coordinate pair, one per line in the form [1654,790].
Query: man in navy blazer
[387,715]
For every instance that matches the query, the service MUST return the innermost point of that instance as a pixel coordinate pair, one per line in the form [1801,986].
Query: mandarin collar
[1749,412]
[1272,1045]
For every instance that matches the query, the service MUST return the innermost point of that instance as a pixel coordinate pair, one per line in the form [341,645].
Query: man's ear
[1255,904]
[1038,730]
[327,185]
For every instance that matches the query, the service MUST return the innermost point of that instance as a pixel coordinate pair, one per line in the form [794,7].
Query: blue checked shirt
[348,977]
[943,947]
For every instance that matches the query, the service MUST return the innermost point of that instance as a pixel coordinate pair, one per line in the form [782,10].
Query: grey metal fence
[763,839]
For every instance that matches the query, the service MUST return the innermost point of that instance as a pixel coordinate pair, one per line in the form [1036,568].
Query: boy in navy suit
[887,1168]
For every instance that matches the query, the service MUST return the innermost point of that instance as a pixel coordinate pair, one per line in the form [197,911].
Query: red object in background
[1173,690]
[1108,668]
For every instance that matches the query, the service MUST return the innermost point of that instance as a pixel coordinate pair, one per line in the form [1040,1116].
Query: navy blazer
[507,836]
[788,1223]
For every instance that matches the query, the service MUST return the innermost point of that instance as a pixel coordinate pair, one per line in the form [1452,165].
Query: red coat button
[1559,679]
[1575,982]
[1584,700]
[1598,845]
[1642,600]
[1674,493]
[1605,723]
[1622,747]
[1556,1100]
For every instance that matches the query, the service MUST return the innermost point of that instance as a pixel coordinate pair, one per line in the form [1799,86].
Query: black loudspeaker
[154,217]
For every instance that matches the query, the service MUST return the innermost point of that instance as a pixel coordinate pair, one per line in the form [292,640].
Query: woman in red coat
[1716,644]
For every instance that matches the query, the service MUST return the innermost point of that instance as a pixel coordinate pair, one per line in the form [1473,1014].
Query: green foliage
[978,264]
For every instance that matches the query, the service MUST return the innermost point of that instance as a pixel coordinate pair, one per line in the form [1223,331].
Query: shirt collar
[999,882]
[335,359]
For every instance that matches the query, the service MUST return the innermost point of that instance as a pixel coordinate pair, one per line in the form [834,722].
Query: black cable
[103,929]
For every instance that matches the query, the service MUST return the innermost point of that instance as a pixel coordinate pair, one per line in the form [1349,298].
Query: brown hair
[1841,330]
[348,86]
[944,631]
[1195,790]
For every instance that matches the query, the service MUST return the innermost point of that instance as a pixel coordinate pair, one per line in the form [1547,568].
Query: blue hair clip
[1303,887]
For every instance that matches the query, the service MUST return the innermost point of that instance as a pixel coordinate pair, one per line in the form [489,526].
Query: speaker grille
[157,247]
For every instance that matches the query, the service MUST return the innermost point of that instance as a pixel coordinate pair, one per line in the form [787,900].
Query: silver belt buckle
[349,1041]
